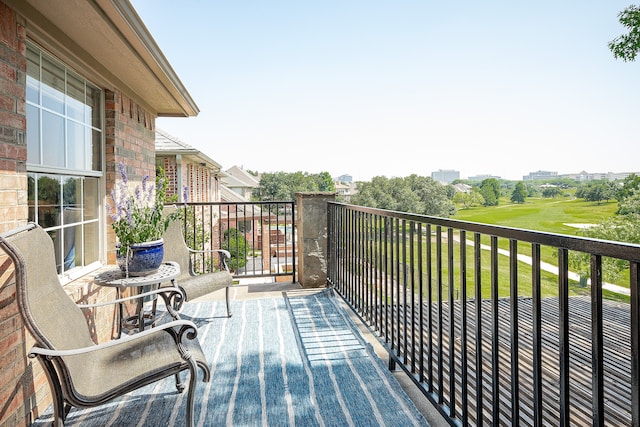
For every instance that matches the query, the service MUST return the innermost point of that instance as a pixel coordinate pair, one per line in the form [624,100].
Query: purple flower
[185,194]
[123,172]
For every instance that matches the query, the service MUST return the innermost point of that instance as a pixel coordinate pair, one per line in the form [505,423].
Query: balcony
[483,325]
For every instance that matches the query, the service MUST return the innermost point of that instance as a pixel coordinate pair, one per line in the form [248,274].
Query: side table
[168,271]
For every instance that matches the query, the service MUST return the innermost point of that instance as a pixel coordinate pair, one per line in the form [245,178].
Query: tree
[622,228]
[490,191]
[597,191]
[550,192]
[470,199]
[238,247]
[629,186]
[281,186]
[519,193]
[627,46]
[630,204]
[415,194]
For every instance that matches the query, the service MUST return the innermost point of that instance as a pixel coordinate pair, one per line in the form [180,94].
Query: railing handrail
[608,248]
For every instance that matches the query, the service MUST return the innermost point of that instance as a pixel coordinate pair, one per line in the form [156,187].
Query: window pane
[93,109]
[49,200]
[53,139]
[96,151]
[33,134]
[72,196]
[91,243]
[56,236]
[76,144]
[33,76]
[75,97]
[52,86]
[91,198]
[72,247]
[31,196]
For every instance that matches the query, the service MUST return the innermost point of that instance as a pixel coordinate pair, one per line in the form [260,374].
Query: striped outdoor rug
[296,360]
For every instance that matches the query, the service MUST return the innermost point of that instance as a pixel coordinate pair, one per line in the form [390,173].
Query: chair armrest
[165,290]
[184,325]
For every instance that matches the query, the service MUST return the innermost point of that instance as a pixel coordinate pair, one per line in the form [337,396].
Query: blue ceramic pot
[144,258]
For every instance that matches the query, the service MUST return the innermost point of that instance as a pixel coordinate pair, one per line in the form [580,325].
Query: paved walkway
[554,270]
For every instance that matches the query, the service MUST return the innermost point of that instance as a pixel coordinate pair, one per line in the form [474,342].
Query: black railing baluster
[412,294]
[464,369]
[537,335]
[430,381]
[495,337]
[385,256]
[397,281]
[513,298]
[420,331]
[563,329]
[439,350]
[477,268]
[452,324]
[634,283]
[597,353]
[404,283]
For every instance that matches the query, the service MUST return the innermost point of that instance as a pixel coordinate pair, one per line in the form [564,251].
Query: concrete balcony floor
[265,288]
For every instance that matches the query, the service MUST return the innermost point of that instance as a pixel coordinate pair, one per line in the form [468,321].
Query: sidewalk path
[554,270]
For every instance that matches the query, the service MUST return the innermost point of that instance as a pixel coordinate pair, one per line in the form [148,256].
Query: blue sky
[393,88]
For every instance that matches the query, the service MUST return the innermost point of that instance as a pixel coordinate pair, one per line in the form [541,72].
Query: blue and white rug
[297,360]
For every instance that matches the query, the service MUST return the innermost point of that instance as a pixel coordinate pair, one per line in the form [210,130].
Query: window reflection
[48,203]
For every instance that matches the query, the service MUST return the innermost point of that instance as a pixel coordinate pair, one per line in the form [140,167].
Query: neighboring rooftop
[167,144]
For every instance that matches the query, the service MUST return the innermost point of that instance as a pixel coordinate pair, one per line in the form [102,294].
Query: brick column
[312,238]
[129,139]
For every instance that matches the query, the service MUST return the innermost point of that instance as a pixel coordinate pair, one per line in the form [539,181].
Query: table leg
[140,310]
[120,315]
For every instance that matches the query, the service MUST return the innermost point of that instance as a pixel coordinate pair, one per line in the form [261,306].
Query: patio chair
[195,285]
[81,373]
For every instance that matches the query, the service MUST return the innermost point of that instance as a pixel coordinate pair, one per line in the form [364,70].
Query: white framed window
[64,159]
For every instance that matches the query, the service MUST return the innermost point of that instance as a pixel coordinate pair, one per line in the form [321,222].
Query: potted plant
[139,223]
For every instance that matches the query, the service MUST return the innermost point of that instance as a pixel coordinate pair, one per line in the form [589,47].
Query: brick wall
[170,167]
[21,383]
[129,139]
[13,148]
[129,133]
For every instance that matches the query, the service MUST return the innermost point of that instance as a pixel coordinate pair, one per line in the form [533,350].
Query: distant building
[344,190]
[597,176]
[479,178]
[344,179]
[187,169]
[540,175]
[240,182]
[462,188]
[445,175]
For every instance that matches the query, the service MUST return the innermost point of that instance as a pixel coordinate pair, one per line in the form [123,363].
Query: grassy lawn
[551,215]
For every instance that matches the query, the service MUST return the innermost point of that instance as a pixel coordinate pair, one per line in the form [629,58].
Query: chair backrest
[175,248]
[49,314]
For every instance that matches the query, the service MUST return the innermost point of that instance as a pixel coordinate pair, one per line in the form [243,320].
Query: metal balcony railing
[488,321]
[259,235]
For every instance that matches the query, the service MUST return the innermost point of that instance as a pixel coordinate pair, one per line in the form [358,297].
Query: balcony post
[312,238]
